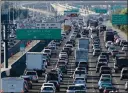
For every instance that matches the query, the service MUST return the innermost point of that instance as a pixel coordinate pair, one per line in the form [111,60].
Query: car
[47,89]
[102,57]
[62,66]
[81,68]
[104,81]
[28,79]
[63,35]
[33,75]
[106,54]
[110,49]
[83,64]
[74,88]
[79,73]
[96,52]
[125,48]
[47,51]
[114,52]
[106,76]
[64,55]
[105,70]
[108,44]
[126,86]
[80,80]
[58,42]
[71,42]
[110,88]
[102,60]
[103,85]
[48,84]
[99,65]
[123,42]
[56,84]
[124,73]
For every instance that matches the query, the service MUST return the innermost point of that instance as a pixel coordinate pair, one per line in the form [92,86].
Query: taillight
[22,91]
[1,91]
[35,76]
[105,91]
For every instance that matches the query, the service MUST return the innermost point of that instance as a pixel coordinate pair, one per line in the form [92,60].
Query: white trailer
[12,84]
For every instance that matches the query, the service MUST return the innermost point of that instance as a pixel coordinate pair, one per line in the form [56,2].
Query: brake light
[105,91]
[1,91]
[35,76]
[22,91]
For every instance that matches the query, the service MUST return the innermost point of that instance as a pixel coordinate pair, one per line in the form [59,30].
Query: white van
[12,85]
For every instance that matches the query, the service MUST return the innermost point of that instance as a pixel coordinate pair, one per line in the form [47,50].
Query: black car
[99,65]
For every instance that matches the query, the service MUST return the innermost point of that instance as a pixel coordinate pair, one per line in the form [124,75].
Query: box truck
[34,61]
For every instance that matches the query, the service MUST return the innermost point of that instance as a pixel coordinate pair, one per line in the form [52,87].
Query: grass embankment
[123,28]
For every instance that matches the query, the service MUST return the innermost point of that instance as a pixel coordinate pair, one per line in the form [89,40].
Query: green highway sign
[98,10]
[119,19]
[38,34]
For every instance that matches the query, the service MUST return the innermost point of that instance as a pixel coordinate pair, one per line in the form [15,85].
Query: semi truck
[81,55]
[34,61]
[83,43]
[13,85]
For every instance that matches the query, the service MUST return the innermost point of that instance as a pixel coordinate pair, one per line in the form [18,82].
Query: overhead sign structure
[41,32]
[120,19]
[98,10]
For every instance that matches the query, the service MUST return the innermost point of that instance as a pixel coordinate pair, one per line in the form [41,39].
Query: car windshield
[105,80]
[107,76]
[47,51]
[79,88]
[97,50]
[112,48]
[31,73]
[79,72]
[71,88]
[48,84]
[79,79]
[47,88]
[102,60]
[125,71]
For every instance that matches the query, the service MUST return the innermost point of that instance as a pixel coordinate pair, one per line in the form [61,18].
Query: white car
[48,84]
[47,51]
[72,37]
[126,85]
[47,89]
[102,57]
[70,46]
[108,44]
[80,80]
[74,88]
[80,73]
[125,48]
[32,74]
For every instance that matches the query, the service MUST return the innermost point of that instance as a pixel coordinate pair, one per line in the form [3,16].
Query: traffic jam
[64,65]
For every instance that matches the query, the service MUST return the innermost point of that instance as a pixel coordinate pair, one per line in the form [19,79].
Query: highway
[92,76]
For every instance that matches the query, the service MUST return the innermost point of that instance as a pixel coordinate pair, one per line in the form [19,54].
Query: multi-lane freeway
[92,83]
